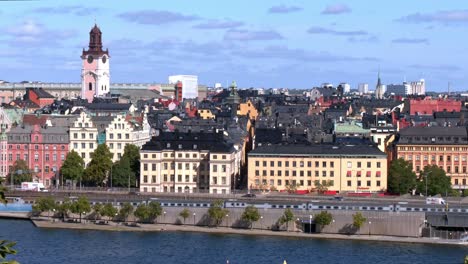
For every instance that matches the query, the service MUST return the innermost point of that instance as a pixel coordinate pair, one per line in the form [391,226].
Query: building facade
[83,136]
[359,168]
[188,163]
[43,148]
[446,147]
[189,85]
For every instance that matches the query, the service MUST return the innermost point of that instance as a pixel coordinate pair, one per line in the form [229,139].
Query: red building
[43,148]
[429,106]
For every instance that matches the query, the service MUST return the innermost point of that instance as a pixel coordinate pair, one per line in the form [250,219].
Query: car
[337,198]
[249,195]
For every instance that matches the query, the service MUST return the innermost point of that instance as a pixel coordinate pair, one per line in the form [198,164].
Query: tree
[122,174]
[132,153]
[80,206]
[64,208]
[73,167]
[323,186]
[98,168]
[155,210]
[287,217]
[216,212]
[109,210]
[358,220]
[20,173]
[250,215]
[142,212]
[437,181]
[97,208]
[291,188]
[401,178]
[125,211]
[44,204]
[323,219]
[185,214]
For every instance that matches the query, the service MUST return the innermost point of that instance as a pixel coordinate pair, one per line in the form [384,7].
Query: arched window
[90,85]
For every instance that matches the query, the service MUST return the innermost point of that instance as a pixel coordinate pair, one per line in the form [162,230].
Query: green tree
[132,153]
[291,188]
[125,211]
[109,211]
[73,167]
[323,186]
[216,212]
[99,167]
[155,210]
[20,173]
[80,206]
[323,219]
[97,208]
[358,220]
[44,204]
[142,212]
[6,247]
[401,178]
[250,215]
[64,208]
[185,214]
[122,174]
[437,181]
[287,217]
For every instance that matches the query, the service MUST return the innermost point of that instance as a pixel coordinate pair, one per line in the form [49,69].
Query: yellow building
[188,162]
[206,113]
[83,136]
[249,109]
[359,168]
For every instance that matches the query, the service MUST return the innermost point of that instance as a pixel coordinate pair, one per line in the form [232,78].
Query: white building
[363,88]
[346,87]
[189,84]
[418,87]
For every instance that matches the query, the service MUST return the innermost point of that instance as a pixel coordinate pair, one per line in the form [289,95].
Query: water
[15,207]
[74,246]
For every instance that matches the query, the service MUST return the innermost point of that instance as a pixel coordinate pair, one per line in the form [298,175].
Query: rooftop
[323,149]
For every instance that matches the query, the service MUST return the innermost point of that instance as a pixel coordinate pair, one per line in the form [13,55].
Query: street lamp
[227,220]
[310,224]
[427,174]
[84,215]
[164,216]
[194,214]
[261,222]
[369,227]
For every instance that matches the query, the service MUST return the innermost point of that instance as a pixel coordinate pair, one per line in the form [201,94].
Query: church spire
[95,39]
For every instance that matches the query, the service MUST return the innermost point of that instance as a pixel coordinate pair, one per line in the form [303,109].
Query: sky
[258,43]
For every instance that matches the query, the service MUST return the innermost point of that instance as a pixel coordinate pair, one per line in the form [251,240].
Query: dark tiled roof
[188,141]
[433,135]
[109,107]
[41,93]
[323,149]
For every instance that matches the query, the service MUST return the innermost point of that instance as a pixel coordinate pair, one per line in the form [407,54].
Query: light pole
[261,222]
[164,216]
[310,224]
[84,215]
[227,220]
[194,214]
[370,227]
[427,174]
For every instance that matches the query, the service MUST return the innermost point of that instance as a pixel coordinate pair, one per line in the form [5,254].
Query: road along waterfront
[45,245]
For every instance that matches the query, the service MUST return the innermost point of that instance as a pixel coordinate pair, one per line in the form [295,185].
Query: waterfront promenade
[112,226]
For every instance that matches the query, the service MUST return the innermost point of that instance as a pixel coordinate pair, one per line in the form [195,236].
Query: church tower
[95,77]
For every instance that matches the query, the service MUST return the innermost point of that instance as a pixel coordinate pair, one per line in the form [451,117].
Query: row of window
[317,164]
[448,158]
[186,179]
[47,168]
[309,183]
[83,145]
[448,169]
[83,135]
[181,190]
[36,157]
[288,173]
[36,147]
[433,148]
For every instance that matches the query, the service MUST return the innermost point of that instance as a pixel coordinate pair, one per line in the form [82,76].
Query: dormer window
[194,146]
[168,145]
[180,146]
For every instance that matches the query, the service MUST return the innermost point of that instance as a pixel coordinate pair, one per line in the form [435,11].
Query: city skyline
[293,44]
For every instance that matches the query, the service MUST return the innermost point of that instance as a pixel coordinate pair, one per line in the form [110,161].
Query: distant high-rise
[346,87]
[363,88]
[418,87]
[95,75]
[189,84]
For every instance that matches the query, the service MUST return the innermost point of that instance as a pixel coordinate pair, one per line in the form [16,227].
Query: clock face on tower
[90,59]
[104,59]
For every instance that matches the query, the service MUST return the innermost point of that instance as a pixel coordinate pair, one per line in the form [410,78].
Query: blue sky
[258,43]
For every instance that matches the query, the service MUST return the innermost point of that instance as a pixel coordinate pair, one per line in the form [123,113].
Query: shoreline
[47,224]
